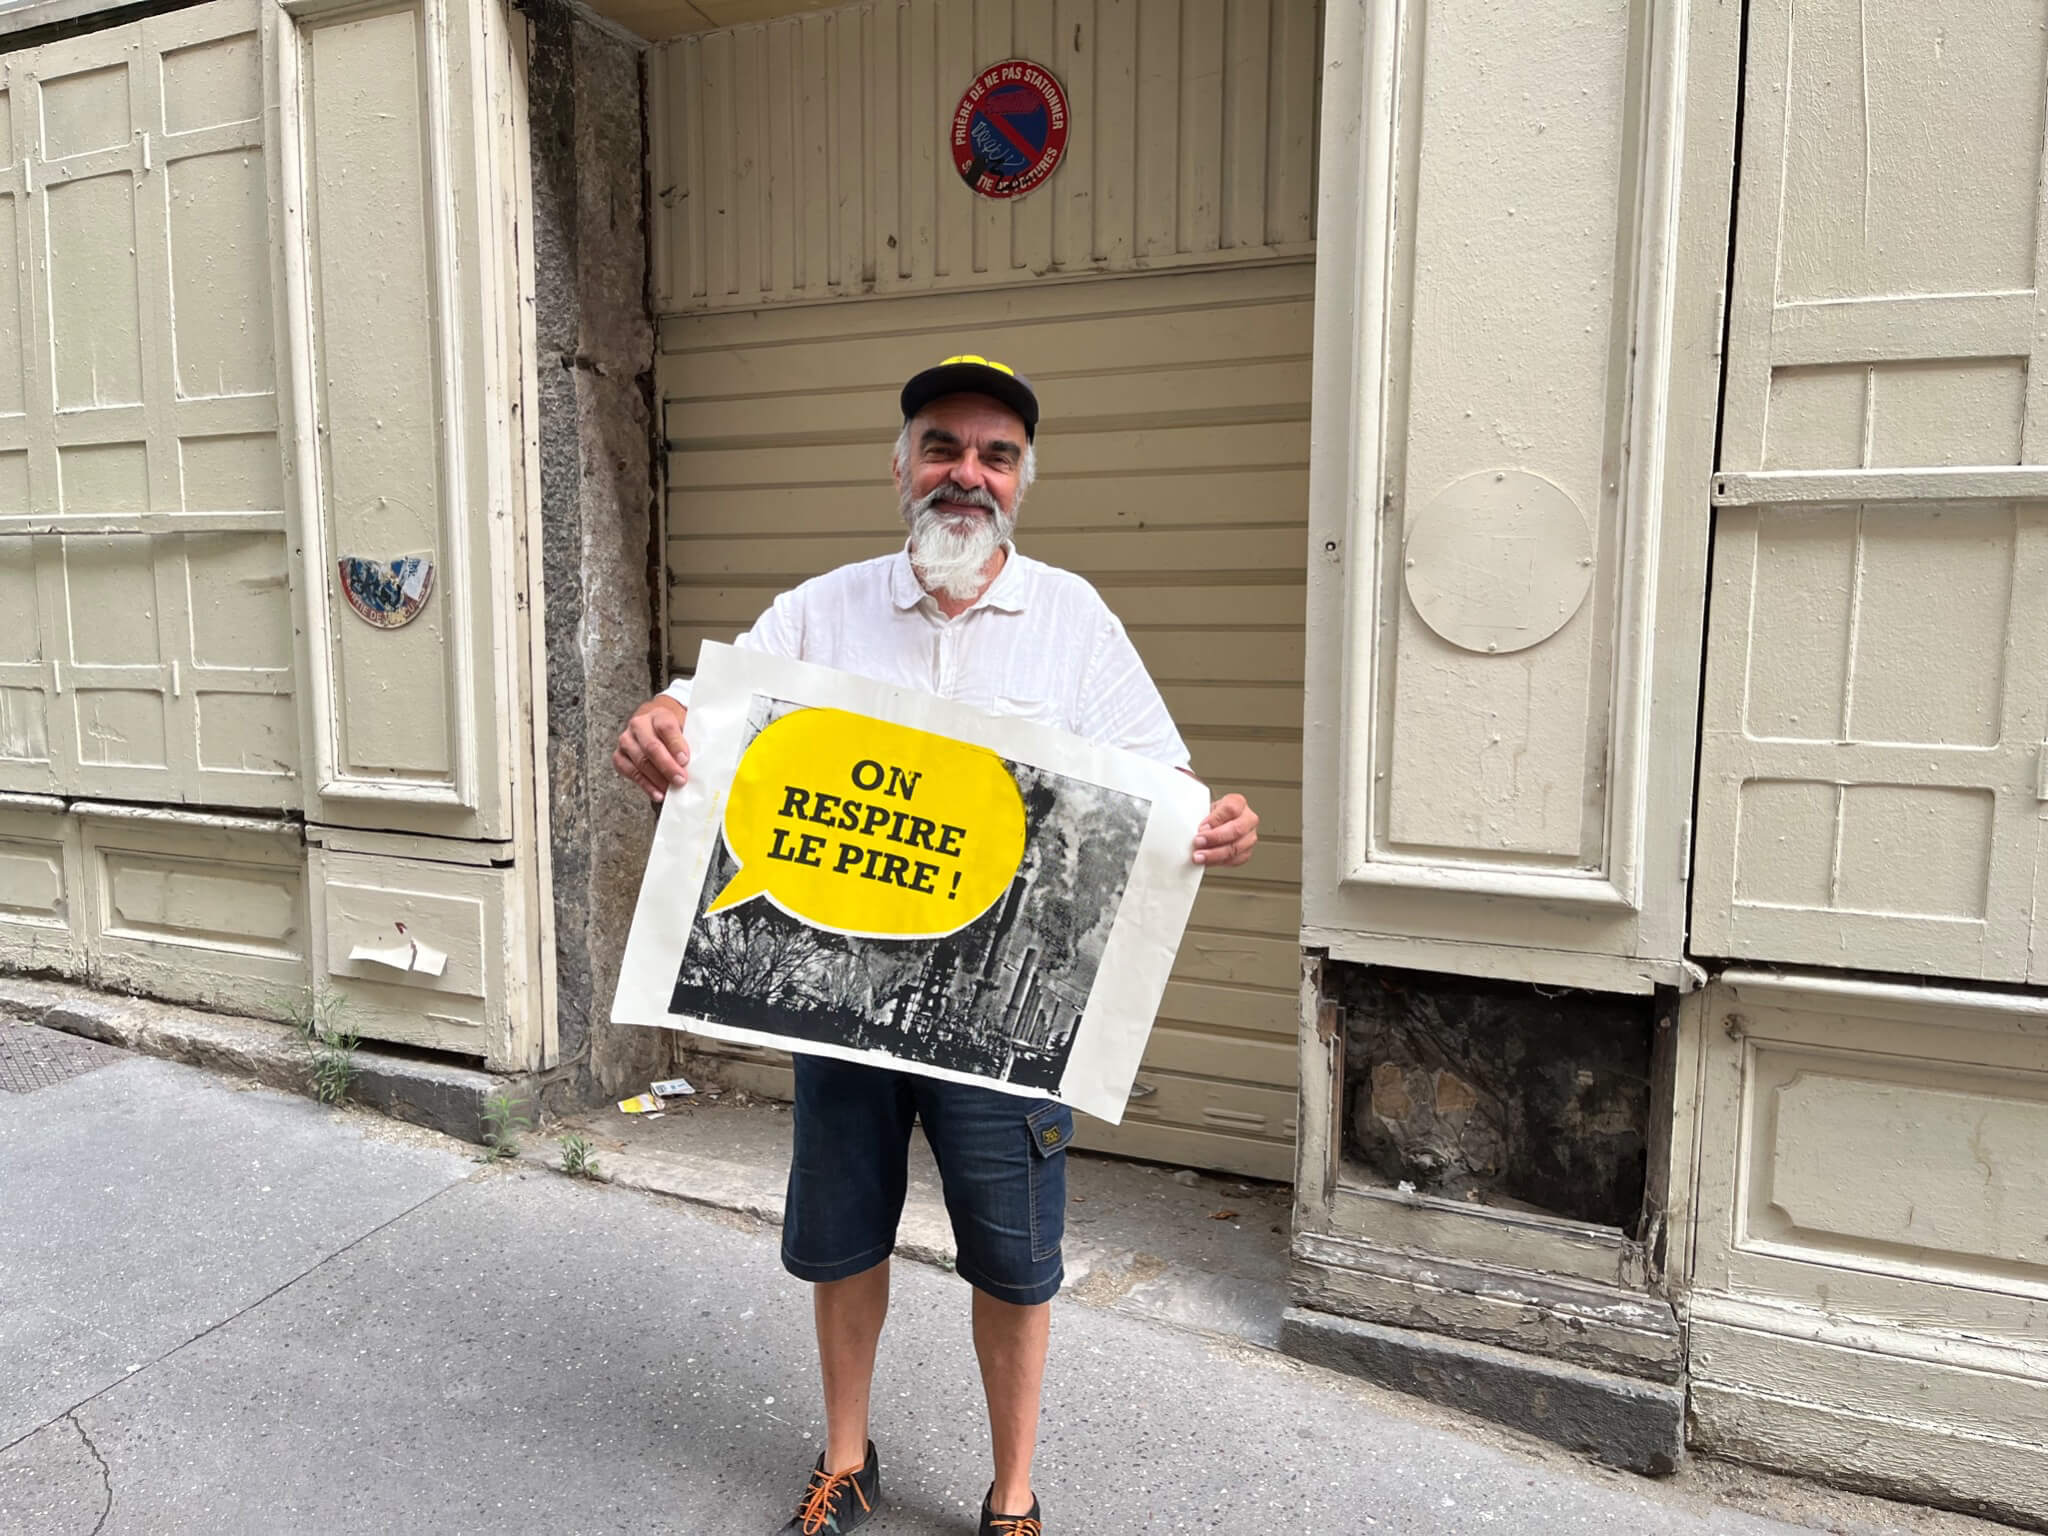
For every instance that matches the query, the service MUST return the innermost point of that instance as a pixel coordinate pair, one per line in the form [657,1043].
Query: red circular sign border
[1047,84]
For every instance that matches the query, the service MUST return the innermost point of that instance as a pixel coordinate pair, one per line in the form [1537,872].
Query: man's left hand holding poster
[871,873]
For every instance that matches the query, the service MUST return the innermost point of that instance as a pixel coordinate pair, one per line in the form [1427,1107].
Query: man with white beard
[958,612]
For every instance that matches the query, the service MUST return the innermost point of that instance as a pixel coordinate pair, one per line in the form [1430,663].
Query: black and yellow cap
[968,374]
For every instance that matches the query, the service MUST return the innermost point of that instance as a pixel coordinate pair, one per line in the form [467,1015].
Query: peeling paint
[24,727]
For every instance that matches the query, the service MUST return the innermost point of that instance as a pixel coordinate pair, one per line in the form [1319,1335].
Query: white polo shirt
[1039,643]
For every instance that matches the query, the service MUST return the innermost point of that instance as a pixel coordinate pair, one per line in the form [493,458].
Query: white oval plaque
[1499,561]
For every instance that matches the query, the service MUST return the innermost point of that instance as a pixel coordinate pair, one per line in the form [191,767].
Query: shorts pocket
[1051,1127]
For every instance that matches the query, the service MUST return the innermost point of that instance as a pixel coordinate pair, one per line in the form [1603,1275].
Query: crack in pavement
[233,1317]
[106,1472]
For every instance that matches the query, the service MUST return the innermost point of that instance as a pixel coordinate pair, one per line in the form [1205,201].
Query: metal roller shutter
[1173,475]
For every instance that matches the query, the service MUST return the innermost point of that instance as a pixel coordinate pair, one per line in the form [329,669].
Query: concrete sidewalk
[226,1309]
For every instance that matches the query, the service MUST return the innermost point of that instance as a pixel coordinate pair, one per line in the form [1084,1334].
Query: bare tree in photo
[778,963]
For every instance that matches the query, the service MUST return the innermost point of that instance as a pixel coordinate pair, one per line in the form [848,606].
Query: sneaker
[838,1501]
[993,1524]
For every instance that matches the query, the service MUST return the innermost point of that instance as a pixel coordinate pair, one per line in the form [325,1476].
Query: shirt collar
[1006,592]
[904,590]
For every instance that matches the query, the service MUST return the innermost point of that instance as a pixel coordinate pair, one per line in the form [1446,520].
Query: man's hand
[652,753]
[1229,835]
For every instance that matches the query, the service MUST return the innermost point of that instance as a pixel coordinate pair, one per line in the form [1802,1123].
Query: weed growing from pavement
[331,1069]
[504,1118]
[313,1013]
[334,1065]
[576,1159]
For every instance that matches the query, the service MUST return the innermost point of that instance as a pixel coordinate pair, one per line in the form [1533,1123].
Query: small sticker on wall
[1010,129]
[387,593]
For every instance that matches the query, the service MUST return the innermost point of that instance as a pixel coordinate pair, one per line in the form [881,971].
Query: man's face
[964,443]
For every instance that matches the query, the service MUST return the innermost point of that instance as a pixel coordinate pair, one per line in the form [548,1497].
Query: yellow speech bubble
[871,828]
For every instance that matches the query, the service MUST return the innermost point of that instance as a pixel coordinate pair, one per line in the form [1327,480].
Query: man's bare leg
[849,1316]
[1010,1341]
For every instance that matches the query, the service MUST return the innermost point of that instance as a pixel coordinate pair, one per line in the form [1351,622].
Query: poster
[863,871]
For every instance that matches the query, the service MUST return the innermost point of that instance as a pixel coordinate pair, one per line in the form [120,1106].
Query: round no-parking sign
[1010,129]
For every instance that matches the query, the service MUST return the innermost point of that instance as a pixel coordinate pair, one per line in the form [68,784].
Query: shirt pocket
[1018,707]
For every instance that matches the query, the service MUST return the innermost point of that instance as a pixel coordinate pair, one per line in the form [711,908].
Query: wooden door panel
[140,471]
[1875,690]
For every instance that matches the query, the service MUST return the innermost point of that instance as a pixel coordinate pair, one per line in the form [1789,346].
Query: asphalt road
[224,1309]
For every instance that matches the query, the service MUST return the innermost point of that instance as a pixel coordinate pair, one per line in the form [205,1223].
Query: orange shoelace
[816,1508]
[1017,1525]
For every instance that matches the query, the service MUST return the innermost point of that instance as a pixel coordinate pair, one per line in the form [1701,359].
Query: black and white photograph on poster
[1000,998]
[864,872]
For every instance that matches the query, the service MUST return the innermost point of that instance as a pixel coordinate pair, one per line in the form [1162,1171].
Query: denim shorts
[1002,1160]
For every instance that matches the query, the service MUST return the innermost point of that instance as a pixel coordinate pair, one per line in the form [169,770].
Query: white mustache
[960,495]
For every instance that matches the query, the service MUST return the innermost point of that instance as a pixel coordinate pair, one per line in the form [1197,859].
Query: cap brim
[972,379]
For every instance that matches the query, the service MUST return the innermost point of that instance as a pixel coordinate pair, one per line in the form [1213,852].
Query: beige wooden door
[145,611]
[401,245]
[1868,1266]
[1872,773]
[260,297]
[1173,475]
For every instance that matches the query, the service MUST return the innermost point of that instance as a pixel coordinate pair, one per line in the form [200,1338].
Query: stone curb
[1097,1275]
[442,1097]
[1633,1424]
[924,1235]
